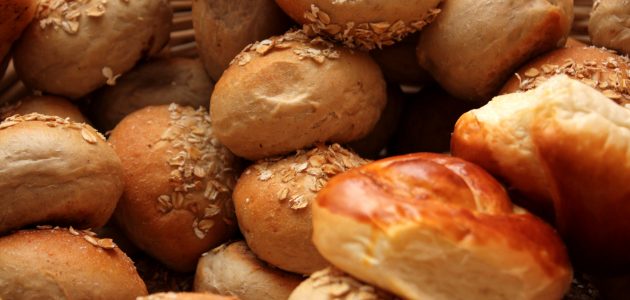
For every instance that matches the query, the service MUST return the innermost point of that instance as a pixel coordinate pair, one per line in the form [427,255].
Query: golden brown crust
[178,184]
[421,225]
[185,296]
[56,171]
[333,284]
[15,15]
[65,264]
[45,105]
[609,24]
[400,64]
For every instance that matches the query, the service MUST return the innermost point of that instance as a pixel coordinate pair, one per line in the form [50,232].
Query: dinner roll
[232,269]
[74,47]
[56,171]
[289,92]
[224,27]
[184,296]
[178,184]
[65,264]
[400,64]
[430,226]
[273,205]
[609,24]
[362,24]
[156,82]
[474,46]
[15,15]
[45,105]
[331,284]
[568,146]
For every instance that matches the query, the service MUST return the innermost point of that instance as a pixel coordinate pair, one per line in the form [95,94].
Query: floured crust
[609,24]
[333,284]
[185,296]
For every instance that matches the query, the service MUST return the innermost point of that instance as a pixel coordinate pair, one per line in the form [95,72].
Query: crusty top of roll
[609,24]
[45,105]
[185,296]
[333,284]
[15,15]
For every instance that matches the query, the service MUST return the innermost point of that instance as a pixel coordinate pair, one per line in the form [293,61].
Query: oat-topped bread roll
[15,15]
[364,24]
[273,205]
[333,284]
[474,46]
[45,105]
[156,82]
[289,92]
[232,269]
[185,296]
[65,264]
[609,24]
[568,146]
[56,171]
[598,67]
[74,47]
[431,226]
[178,184]
[224,27]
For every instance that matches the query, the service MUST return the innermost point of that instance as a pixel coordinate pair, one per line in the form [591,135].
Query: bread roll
[362,24]
[15,15]
[430,226]
[65,264]
[232,269]
[473,46]
[330,284]
[156,82]
[609,24]
[178,184]
[184,296]
[74,47]
[400,64]
[45,105]
[224,27]
[56,171]
[568,146]
[287,93]
[597,67]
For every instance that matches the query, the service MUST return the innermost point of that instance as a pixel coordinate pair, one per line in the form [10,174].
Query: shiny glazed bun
[185,296]
[65,264]
[178,184]
[474,46]
[156,82]
[232,269]
[273,205]
[45,105]
[74,47]
[289,92]
[56,171]
[609,24]
[15,15]
[364,24]
[331,284]
[568,146]
[430,226]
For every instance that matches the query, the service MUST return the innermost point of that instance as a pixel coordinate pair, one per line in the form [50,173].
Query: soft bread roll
[65,264]
[15,15]
[473,46]
[287,93]
[362,24]
[56,171]
[178,184]
[232,269]
[598,67]
[400,64]
[45,105]
[273,205]
[569,145]
[331,284]
[184,296]
[224,27]
[74,47]
[156,82]
[430,226]
[609,24]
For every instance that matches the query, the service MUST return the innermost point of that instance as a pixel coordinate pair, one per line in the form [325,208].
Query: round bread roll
[184,296]
[474,46]
[56,171]
[224,27]
[287,93]
[362,24]
[45,105]
[430,226]
[178,184]
[74,47]
[568,146]
[232,269]
[156,82]
[272,200]
[597,67]
[609,24]
[15,15]
[65,264]
[331,284]
[400,64]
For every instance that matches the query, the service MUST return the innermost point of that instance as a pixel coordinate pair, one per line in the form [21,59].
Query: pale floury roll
[333,284]
[609,25]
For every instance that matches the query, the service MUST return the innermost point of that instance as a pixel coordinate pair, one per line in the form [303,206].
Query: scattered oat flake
[265,175]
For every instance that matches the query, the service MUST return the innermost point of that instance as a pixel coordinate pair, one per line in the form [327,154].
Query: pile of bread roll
[315,149]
